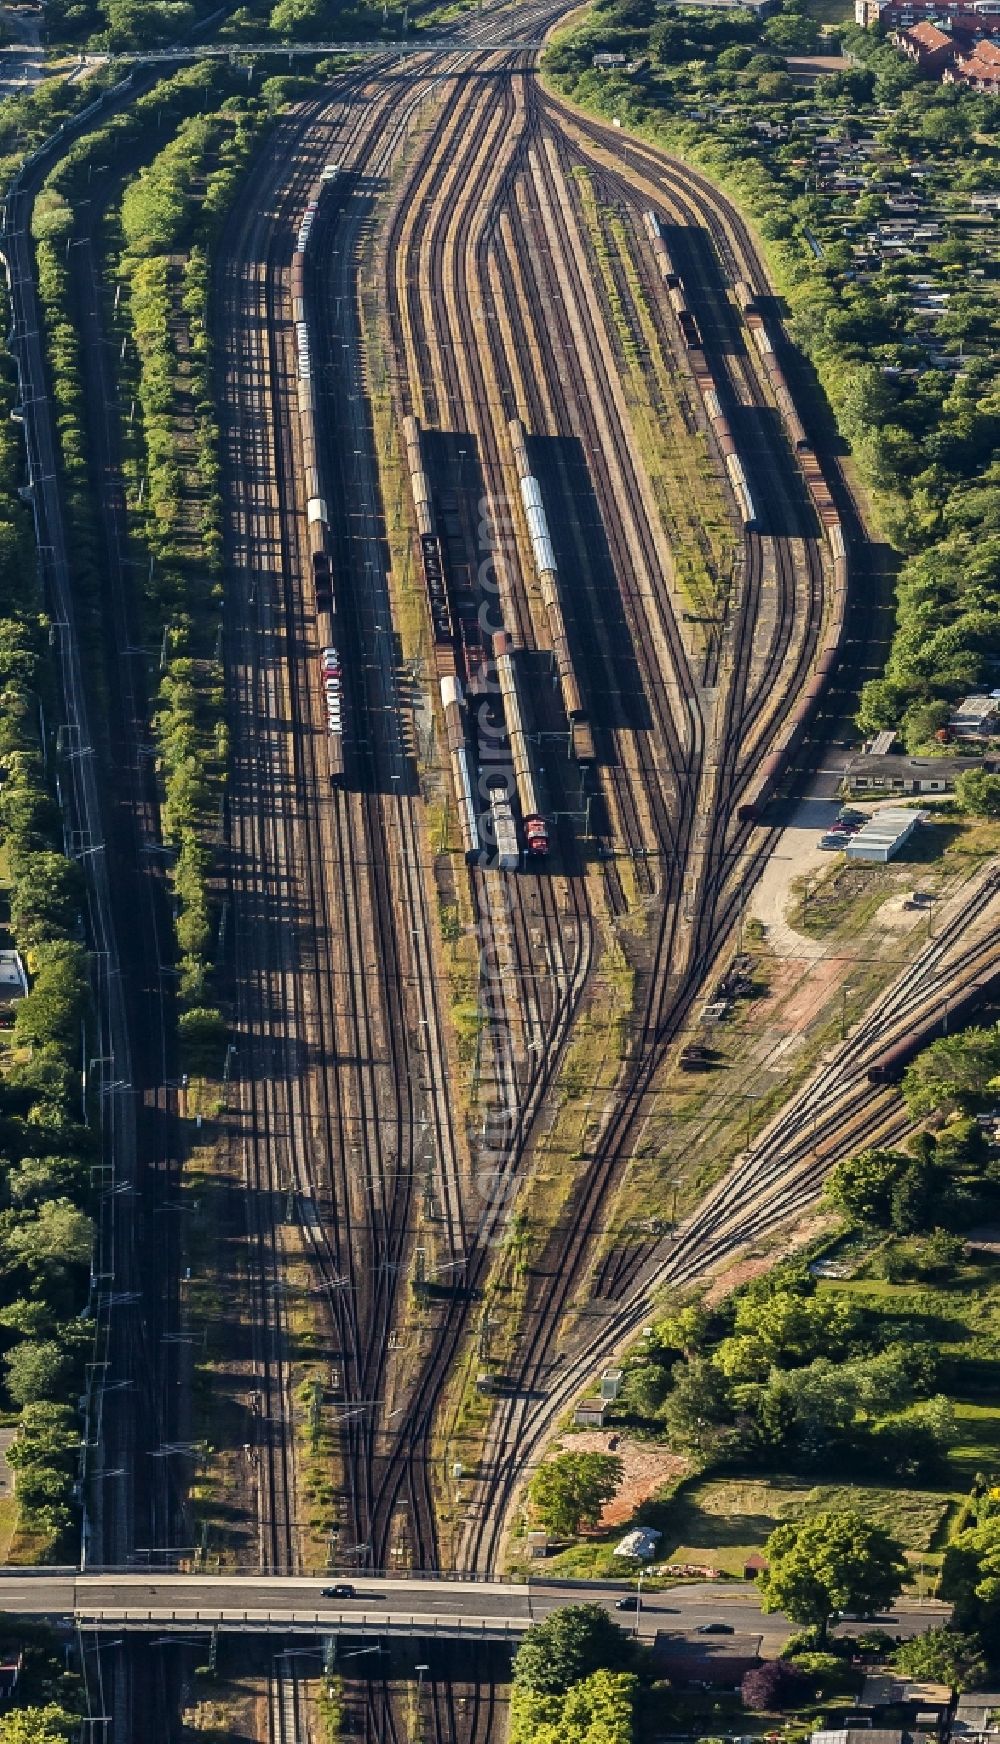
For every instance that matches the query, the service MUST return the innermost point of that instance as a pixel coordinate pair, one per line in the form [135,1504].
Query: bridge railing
[291,1622]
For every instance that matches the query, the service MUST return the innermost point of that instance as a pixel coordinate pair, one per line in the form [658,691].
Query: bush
[203,1034]
[772,1685]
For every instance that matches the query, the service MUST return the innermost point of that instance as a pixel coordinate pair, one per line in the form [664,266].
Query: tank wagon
[774,767]
[545,568]
[443,636]
[330,673]
[530,787]
[691,339]
[889,1067]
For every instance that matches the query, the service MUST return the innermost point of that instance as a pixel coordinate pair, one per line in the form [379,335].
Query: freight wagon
[889,1067]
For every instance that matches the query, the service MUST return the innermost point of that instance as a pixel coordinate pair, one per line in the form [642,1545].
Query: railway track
[345,1120]
[443,279]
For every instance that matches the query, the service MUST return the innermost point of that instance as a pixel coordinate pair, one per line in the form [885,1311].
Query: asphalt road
[402,1603]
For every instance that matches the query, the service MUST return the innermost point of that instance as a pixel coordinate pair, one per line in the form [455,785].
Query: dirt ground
[754,1265]
[647,1469]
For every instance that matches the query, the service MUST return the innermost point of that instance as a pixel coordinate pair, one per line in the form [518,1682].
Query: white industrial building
[884,833]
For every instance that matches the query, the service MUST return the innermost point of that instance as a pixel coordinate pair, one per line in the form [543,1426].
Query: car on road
[832,842]
[629,1603]
[341,1591]
[715,1629]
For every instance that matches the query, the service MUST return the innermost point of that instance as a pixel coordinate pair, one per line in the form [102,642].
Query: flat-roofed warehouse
[884,834]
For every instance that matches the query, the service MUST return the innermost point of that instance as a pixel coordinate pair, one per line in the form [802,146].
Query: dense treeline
[925,436]
[46,1232]
[168,215]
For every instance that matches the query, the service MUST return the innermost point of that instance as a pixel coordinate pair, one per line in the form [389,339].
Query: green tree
[944,1656]
[46,1243]
[783,1330]
[644,1389]
[48,1725]
[861,1187]
[954,1072]
[597,1710]
[831,1562]
[979,793]
[203,1039]
[35,1371]
[568,1646]
[570,1490]
[700,1404]
[971,1573]
[55,1007]
[46,899]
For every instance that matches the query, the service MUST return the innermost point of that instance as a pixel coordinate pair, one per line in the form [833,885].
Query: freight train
[330,672]
[530,786]
[775,766]
[443,635]
[545,568]
[691,338]
[889,1067]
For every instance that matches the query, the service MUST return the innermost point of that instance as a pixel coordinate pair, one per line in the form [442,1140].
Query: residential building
[926,45]
[959,16]
[980,69]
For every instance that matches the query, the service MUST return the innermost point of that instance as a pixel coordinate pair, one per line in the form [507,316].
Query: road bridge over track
[394,48]
[407,1606]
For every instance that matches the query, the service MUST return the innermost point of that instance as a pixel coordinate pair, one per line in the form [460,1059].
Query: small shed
[611,1384]
[977,1717]
[861,1735]
[884,834]
[975,717]
[888,1689]
[590,1414]
[537,1545]
[754,1565]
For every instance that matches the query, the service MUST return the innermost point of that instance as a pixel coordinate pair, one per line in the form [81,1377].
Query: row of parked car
[848,822]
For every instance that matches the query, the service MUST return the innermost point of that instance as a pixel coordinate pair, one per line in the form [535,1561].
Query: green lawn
[721,1521]
[830,11]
